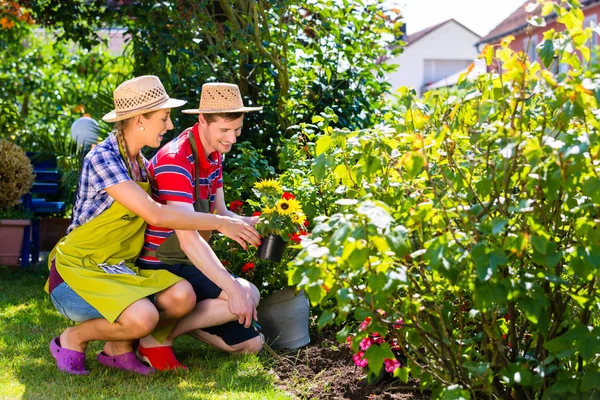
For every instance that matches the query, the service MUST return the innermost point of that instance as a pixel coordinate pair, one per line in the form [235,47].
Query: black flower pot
[271,248]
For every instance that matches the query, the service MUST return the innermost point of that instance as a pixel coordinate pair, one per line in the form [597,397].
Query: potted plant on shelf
[16,176]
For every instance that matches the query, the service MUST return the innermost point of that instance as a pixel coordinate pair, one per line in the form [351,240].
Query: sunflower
[287,207]
[268,186]
[298,218]
[269,210]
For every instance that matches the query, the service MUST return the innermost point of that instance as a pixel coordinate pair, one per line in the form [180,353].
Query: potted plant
[17,178]
[283,312]
[281,219]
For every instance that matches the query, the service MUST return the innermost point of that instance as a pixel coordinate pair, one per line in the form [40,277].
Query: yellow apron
[115,235]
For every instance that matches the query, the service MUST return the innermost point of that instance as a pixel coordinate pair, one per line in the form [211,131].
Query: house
[433,54]
[527,39]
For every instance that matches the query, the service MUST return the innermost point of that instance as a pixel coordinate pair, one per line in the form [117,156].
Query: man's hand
[241,305]
[239,231]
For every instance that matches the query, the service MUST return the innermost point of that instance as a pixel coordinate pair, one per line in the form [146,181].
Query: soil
[324,370]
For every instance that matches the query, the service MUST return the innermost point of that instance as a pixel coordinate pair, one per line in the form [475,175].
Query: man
[187,173]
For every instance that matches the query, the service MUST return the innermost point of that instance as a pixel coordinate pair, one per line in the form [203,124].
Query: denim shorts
[71,305]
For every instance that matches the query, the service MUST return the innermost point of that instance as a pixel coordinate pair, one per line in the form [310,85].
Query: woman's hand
[240,231]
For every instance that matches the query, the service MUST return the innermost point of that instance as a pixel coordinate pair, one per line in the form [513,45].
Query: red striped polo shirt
[173,170]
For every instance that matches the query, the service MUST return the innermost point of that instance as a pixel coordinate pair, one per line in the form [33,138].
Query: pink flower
[398,324]
[364,324]
[391,365]
[349,341]
[359,361]
[365,343]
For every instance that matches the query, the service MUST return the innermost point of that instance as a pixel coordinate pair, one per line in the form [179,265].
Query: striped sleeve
[174,178]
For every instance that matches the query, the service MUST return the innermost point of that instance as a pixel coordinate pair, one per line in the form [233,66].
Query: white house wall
[450,41]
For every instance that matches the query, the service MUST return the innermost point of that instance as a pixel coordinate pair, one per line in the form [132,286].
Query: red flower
[247,267]
[256,213]
[306,223]
[236,205]
[297,236]
[287,196]
[376,338]
[225,263]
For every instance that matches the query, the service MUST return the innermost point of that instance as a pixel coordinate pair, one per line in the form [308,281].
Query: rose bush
[473,217]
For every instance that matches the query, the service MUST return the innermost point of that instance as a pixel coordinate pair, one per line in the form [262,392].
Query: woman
[93,279]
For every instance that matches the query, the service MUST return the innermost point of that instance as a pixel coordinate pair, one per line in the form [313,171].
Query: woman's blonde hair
[120,127]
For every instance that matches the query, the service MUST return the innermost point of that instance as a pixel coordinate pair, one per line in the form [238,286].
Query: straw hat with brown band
[139,96]
[220,98]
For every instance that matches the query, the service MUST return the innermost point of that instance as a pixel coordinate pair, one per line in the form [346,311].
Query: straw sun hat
[139,96]
[220,98]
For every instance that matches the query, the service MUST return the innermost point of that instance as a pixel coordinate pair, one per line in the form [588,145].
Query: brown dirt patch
[324,370]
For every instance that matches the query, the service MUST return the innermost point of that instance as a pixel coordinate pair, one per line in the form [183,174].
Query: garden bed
[324,370]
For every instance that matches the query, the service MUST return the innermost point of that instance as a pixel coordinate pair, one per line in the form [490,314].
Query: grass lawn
[28,321]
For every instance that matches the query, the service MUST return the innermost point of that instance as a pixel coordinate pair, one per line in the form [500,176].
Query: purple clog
[125,361]
[70,361]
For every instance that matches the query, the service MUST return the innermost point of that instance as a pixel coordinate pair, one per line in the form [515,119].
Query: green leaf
[588,345]
[534,307]
[323,144]
[590,381]
[319,167]
[477,369]
[402,373]
[376,354]
[316,293]
[560,346]
[539,243]
[591,188]
[454,392]
[398,241]
[326,318]
[498,224]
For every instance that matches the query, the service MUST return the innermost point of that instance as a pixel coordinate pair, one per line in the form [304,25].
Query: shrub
[473,218]
[16,174]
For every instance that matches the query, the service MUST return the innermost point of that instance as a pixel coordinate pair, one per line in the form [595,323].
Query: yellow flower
[268,186]
[298,218]
[269,210]
[287,207]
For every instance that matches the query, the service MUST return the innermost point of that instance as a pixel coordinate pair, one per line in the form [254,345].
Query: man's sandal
[70,361]
[125,361]
[161,358]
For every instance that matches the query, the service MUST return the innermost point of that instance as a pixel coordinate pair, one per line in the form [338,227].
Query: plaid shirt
[103,167]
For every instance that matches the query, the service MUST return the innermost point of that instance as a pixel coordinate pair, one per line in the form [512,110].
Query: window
[434,70]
